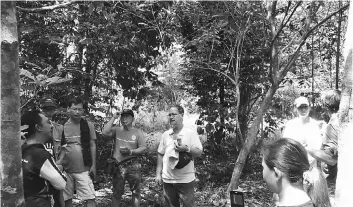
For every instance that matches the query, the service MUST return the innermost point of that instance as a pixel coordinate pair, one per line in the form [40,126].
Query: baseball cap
[47,102]
[301,101]
[127,112]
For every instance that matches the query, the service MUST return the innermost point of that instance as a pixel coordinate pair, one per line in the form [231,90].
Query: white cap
[301,101]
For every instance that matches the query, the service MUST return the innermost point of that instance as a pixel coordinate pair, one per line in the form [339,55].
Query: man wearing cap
[48,107]
[129,144]
[303,128]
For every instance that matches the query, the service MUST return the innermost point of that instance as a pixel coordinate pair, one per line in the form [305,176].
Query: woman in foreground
[287,172]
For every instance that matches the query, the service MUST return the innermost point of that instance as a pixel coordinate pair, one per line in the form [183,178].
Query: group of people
[301,168]
[59,160]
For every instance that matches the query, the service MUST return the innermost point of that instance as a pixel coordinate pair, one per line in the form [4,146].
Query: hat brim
[305,104]
[124,114]
[48,105]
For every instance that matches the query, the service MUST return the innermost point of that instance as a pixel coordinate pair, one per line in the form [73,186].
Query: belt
[127,162]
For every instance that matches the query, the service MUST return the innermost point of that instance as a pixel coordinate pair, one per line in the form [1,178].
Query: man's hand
[116,115]
[159,180]
[181,148]
[49,147]
[125,151]
[92,171]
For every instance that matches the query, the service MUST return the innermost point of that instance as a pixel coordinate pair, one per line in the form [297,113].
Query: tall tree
[344,184]
[10,149]
[281,63]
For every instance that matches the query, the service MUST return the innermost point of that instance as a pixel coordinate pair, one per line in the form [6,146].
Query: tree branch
[303,39]
[283,25]
[218,71]
[45,8]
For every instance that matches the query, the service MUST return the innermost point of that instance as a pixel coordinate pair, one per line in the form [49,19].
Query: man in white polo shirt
[175,166]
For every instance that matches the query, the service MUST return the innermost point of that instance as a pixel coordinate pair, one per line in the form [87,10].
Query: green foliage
[101,46]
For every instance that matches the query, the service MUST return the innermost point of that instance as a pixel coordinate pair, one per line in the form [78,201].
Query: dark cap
[127,112]
[47,102]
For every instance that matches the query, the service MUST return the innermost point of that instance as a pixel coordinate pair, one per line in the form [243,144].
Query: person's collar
[128,128]
[33,141]
[178,129]
[74,121]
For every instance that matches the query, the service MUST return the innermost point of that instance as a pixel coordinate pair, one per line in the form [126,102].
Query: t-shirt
[186,174]
[37,165]
[308,133]
[55,142]
[132,139]
[330,146]
[73,159]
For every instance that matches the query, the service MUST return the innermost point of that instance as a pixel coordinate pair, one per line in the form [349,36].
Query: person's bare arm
[322,156]
[159,168]
[108,127]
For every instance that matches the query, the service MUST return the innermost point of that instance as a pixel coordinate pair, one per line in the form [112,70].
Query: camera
[236,198]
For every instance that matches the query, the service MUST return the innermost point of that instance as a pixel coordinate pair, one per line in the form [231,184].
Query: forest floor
[213,174]
[208,192]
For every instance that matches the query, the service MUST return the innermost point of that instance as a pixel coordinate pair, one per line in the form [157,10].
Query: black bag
[184,159]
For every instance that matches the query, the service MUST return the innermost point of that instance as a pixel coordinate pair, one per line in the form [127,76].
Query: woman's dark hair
[31,119]
[76,100]
[290,157]
[179,108]
[331,99]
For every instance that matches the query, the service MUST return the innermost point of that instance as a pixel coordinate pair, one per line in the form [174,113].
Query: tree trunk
[344,177]
[338,46]
[10,149]
[251,138]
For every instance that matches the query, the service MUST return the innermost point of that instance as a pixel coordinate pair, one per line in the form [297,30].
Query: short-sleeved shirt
[186,174]
[56,139]
[132,139]
[73,159]
[33,158]
[330,146]
[308,133]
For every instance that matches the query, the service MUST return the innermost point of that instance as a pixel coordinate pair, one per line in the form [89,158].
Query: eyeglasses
[77,109]
[172,115]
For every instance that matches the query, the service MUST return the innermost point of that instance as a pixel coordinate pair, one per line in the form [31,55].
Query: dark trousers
[38,201]
[175,191]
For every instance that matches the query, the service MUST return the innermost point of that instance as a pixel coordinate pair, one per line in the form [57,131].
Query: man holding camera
[129,144]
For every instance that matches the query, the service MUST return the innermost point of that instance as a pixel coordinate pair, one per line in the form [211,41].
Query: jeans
[183,191]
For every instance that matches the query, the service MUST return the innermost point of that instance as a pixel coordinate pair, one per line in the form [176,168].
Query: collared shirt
[330,147]
[186,174]
[308,133]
